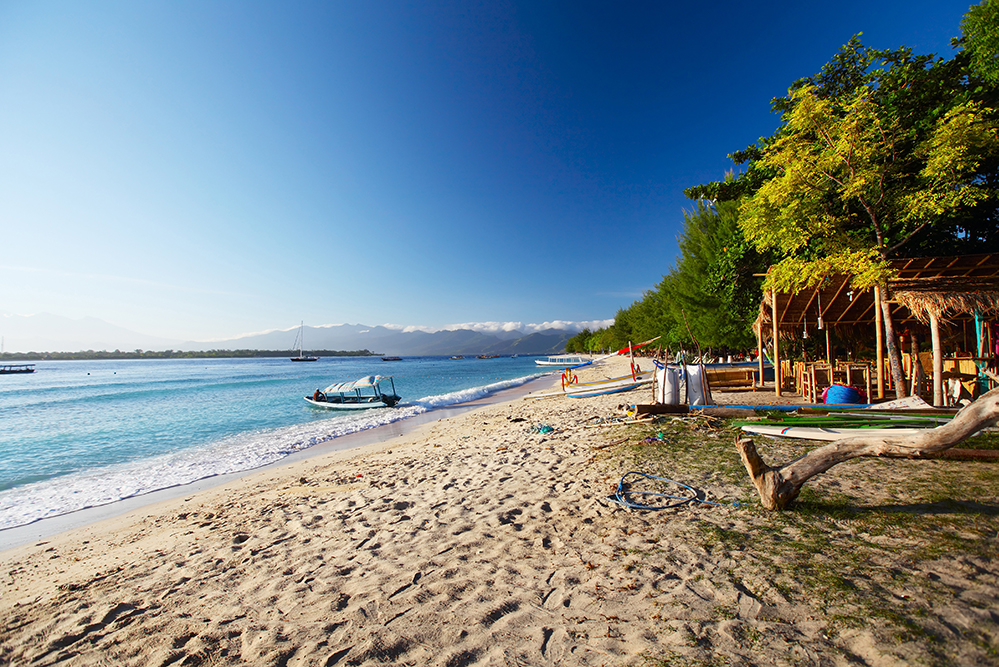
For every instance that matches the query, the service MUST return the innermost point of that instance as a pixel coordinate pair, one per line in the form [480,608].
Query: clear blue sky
[198,170]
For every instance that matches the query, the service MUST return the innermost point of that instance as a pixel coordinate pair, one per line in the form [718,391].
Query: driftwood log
[778,486]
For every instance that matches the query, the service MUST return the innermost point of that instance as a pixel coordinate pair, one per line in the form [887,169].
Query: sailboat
[301,345]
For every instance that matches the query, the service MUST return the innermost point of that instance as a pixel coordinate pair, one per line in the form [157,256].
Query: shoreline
[17,536]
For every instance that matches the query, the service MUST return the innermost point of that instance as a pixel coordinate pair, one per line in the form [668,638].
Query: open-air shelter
[957,291]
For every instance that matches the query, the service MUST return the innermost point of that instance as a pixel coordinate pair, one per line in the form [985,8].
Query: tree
[850,187]
[713,287]
[981,39]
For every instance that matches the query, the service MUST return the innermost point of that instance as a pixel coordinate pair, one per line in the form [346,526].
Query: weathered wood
[777,376]
[661,409]
[938,397]
[779,486]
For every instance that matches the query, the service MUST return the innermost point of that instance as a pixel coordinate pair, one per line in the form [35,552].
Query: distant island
[176,354]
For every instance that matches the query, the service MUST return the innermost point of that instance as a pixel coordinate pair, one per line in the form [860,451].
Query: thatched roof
[951,287]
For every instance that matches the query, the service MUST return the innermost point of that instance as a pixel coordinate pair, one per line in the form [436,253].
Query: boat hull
[326,405]
[830,434]
[608,388]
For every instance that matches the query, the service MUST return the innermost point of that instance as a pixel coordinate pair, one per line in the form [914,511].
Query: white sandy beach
[474,540]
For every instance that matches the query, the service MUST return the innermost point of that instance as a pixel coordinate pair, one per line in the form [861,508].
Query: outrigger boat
[368,392]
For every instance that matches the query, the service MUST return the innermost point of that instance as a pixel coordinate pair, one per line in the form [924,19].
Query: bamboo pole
[879,335]
[759,349]
[776,359]
[938,398]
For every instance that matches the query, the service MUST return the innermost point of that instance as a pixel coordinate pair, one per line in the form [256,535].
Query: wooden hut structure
[958,290]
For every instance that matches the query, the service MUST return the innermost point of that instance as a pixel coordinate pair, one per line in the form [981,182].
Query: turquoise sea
[78,434]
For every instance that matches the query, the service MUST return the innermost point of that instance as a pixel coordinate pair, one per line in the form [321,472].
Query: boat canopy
[364,383]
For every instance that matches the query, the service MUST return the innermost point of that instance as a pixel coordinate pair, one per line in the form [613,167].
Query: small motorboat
[564,360]
[7,369]
[373,391]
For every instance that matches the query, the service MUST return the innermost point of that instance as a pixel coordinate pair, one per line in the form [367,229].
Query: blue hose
[621,495]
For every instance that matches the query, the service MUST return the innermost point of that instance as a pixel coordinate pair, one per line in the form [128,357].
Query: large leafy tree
[881,154]
[853,181]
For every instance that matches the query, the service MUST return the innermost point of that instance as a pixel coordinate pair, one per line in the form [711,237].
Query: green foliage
[713,288]
[883,153]
[981,39]
[868,158]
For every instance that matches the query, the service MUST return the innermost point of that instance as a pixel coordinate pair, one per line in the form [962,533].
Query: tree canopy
[881,154]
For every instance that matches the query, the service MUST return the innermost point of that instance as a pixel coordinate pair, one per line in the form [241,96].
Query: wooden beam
[759,348]
[776,359]
[880,337]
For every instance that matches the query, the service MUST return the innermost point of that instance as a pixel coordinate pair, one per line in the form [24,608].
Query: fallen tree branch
[779,486]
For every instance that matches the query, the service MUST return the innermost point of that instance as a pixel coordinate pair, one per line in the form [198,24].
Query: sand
[484,539]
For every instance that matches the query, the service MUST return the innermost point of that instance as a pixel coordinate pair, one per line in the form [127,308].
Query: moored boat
[563,360]
[373,391]
[7,369]
[301,345]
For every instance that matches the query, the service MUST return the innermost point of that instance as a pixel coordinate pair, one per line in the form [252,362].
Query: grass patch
[868,544]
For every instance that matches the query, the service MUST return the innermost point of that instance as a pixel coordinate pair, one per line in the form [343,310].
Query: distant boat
[458,356]
[301,346]
[7,369]
[488,356]
[391,358]
[368,392]
[563,360]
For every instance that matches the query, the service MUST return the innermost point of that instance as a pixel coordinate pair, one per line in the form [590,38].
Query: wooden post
[938,398]
[828,348]
[759,348]
[879,335]
[776,359]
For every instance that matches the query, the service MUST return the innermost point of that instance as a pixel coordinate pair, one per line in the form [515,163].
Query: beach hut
[956,291]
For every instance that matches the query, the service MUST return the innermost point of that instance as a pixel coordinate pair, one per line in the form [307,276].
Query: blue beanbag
[837,393]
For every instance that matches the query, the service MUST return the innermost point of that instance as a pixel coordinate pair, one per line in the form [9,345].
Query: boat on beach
[301,345]
[372,391]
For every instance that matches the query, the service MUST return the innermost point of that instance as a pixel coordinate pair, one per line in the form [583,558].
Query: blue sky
[199,170]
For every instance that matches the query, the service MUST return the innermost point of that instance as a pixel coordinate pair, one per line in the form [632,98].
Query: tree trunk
[894,356]
[779,486]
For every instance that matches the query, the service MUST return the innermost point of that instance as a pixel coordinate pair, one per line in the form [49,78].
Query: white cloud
[565,325]
[495,327]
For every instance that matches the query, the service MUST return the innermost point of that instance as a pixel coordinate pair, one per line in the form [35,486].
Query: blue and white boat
[373,391]
[563,361]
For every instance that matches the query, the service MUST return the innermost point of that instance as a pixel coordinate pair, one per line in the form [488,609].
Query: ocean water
[78,434]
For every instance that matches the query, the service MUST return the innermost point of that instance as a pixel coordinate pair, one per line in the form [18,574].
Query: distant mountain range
[52,333]
[390,341]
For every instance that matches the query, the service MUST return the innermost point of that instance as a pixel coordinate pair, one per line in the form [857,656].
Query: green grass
[862,542]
